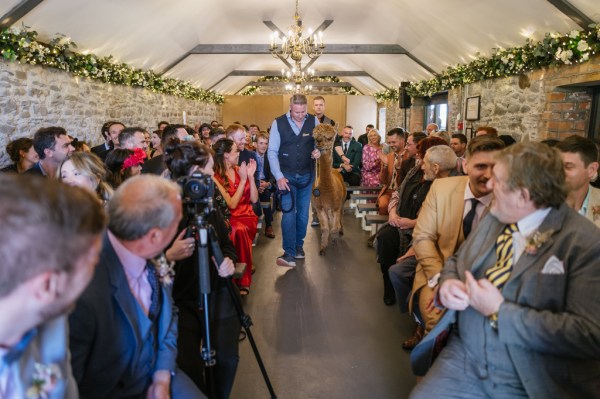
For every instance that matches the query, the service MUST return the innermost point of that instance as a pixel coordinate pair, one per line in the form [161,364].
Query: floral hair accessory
[536,240]
[45,378]
[135,159]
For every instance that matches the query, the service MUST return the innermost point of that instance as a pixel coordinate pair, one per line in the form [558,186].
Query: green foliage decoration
[22,45]
[554,50]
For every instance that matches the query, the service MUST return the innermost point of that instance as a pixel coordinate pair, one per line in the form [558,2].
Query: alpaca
[330,184]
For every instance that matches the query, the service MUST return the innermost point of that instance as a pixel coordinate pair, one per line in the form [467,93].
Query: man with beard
[50,236]
[452,209]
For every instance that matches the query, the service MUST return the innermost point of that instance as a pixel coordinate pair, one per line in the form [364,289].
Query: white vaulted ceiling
[159,34]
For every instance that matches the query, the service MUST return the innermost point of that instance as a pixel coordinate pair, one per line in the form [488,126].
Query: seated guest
[123,164]
[431,129]
[394,238]
[442,134]
[580,160]
[458,142]
[452,209]
[521,291]
[80,145]
[236,184]
[102,150]
[205,129]
[507,139]
[22,154]
[123,331]
[184,159]
[50,237]
[486,130]
[162,125]
[132,138]
[371,160]
[267,184]
[155,141]
[86,170]
[348,158]
[156,165]
[237,133]
[390,166]
[52,145]
[114,130]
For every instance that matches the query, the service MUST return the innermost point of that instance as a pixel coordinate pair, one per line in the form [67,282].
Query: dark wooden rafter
[572,12]
[18,12]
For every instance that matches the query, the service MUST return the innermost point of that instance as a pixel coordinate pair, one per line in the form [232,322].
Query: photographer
[183,160]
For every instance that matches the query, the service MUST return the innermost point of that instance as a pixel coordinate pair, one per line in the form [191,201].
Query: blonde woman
[371,160]
[84,169]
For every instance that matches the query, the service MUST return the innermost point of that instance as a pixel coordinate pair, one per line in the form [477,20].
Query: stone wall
[394,115]
[33,96]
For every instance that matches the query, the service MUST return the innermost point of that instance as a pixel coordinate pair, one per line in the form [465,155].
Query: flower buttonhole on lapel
[536,240]
[44,380]
[165,270]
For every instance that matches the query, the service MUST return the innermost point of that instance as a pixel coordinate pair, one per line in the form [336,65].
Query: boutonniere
[536,240]
[165,270]
[596,212]
[44,380]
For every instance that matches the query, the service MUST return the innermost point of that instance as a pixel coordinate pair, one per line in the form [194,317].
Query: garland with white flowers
[554,49]
[252,90]
[22,45]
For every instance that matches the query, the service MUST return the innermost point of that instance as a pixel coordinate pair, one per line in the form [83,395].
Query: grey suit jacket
[105,338]
[549,322]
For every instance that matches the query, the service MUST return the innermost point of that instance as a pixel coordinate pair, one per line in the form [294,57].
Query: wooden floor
[322,328]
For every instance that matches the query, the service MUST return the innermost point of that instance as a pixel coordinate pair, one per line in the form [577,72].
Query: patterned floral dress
[371,166]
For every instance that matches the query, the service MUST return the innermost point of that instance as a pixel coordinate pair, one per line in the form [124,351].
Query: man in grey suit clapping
[522,291]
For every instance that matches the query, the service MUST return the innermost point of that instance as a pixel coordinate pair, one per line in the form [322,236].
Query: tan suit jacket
[594,202]
[439,232]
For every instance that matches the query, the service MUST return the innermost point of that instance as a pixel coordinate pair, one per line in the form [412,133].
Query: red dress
[243,222]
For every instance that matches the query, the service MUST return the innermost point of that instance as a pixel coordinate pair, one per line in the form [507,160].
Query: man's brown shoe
[414,339]
[269,232]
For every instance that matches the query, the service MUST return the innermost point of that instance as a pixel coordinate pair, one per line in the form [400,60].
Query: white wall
[360,111]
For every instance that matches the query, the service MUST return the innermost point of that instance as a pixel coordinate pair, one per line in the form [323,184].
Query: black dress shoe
[389,300]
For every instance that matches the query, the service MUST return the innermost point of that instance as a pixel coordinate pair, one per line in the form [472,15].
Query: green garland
[553,50]
[22,46]
[252,90]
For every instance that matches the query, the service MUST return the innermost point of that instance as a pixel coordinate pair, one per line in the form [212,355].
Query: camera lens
[195,189]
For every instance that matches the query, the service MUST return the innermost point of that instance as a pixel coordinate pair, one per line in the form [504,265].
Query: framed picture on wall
[472,108]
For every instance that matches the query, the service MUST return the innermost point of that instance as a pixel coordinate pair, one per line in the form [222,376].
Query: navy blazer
[104,335]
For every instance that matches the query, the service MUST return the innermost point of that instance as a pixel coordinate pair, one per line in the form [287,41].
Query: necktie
[154,310]
[459,165]
[500,272]
[470,217]
[345,148]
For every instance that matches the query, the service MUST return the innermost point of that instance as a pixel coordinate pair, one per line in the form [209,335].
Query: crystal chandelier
[295,45]
[296,79]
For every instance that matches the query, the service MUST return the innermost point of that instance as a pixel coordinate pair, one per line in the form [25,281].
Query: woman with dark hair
[184,159]
[155,143]
[123,164]
[23,155]
[237,185]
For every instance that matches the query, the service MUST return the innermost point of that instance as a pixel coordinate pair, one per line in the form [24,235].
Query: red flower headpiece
[135,159]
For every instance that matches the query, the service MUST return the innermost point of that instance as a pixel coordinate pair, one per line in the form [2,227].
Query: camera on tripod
[197,188]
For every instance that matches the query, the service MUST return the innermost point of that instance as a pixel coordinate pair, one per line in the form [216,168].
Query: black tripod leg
[245,319]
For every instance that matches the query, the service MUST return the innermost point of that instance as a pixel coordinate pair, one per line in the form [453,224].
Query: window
[437,111]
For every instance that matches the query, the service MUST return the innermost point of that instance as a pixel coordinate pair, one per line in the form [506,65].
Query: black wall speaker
[404,98]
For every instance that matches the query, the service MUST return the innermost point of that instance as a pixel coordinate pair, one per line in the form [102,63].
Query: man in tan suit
[580,160]
[451,210]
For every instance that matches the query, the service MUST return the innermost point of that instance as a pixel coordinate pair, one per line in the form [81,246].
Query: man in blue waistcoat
[291,156]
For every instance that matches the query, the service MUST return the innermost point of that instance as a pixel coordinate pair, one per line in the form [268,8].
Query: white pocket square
[553,266]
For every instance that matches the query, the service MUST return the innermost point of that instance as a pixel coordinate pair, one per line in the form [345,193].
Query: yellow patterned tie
[500,272]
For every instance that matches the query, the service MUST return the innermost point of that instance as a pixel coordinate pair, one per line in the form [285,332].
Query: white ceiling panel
[154,34]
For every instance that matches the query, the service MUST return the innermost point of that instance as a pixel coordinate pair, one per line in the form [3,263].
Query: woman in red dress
[237,185]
